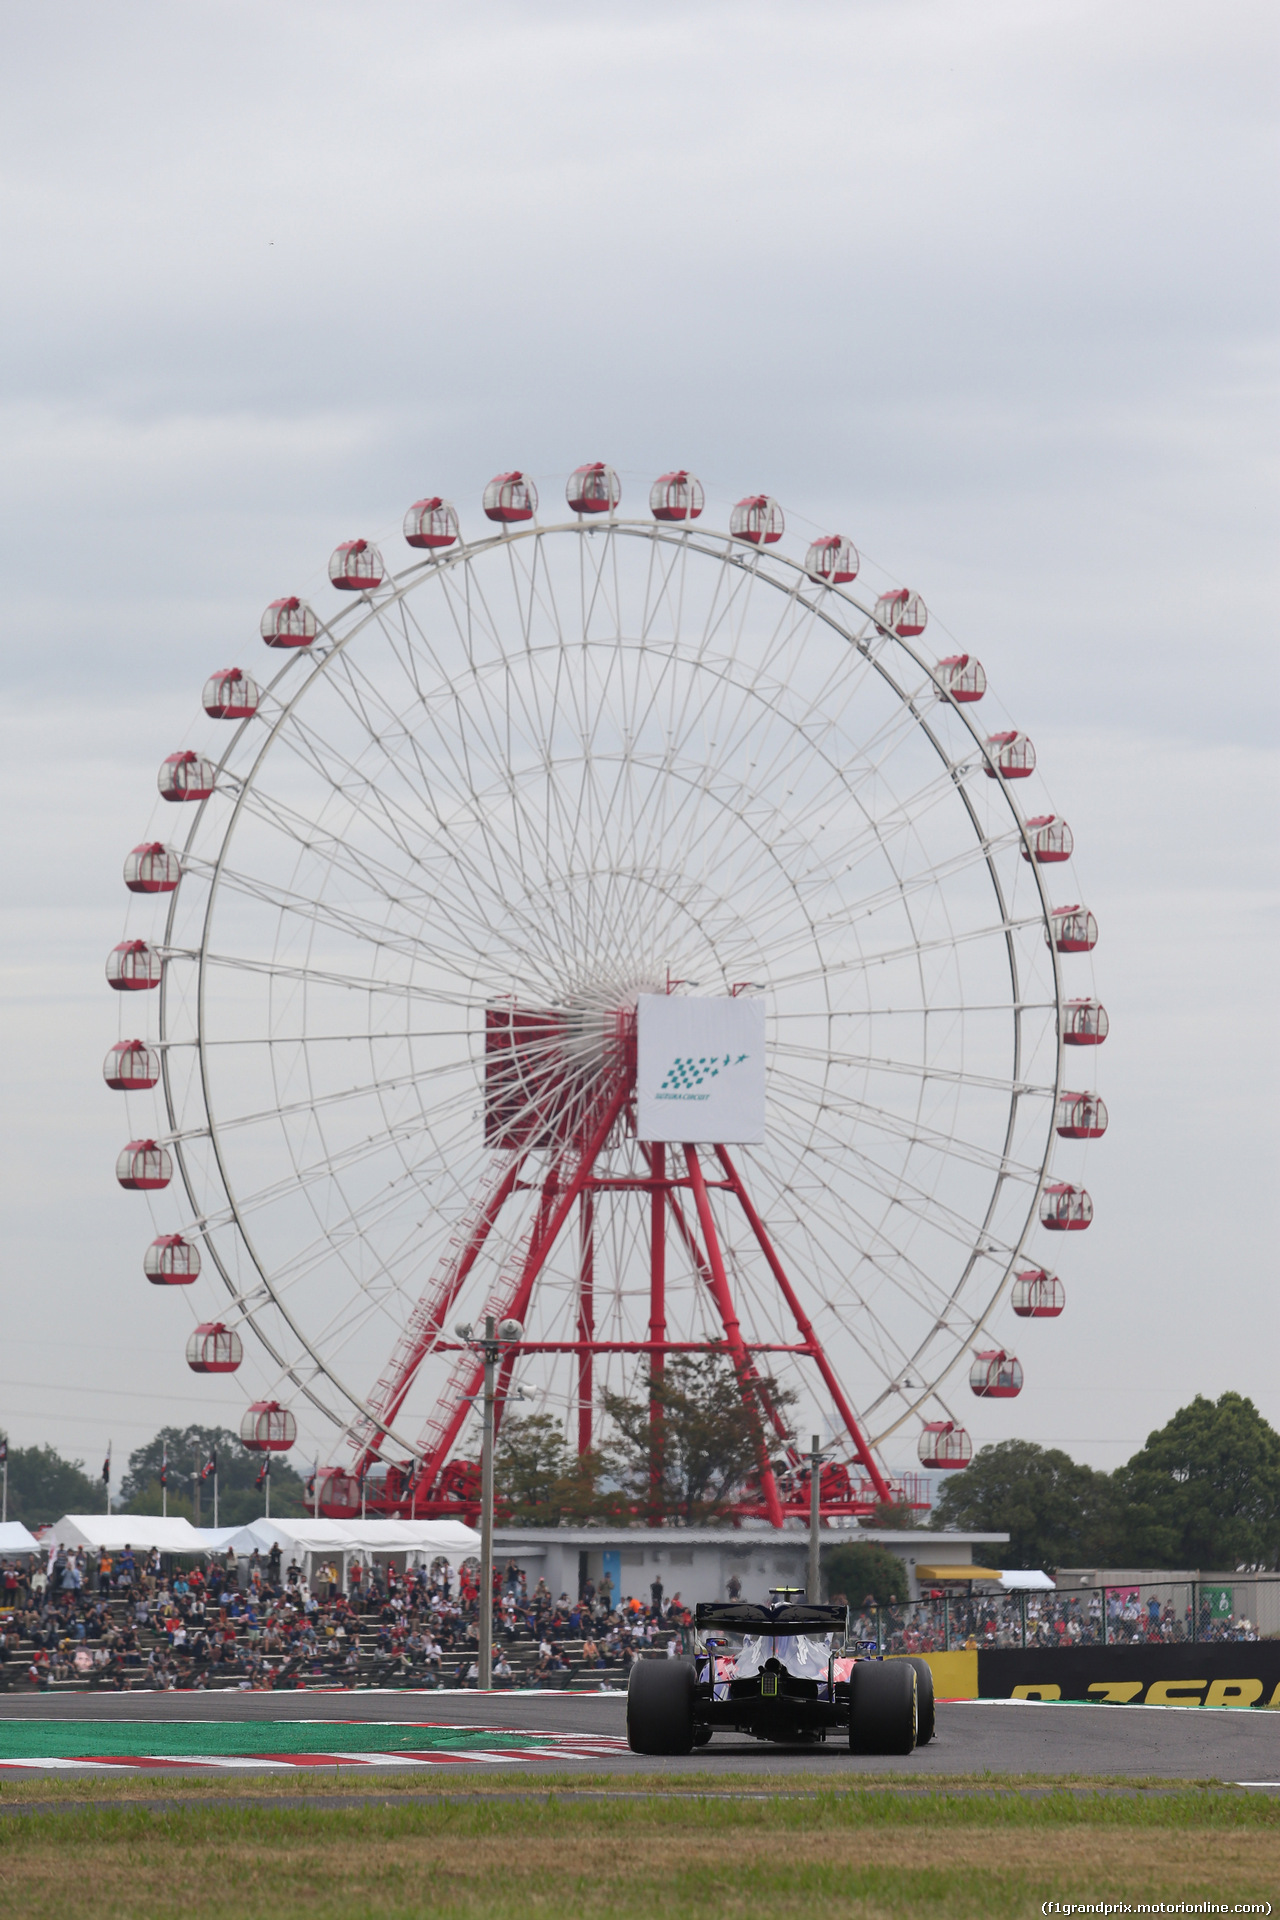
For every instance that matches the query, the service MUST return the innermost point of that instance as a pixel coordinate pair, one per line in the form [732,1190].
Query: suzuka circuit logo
[686,1075]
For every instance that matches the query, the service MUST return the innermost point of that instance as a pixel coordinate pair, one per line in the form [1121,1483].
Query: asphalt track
[540,1733]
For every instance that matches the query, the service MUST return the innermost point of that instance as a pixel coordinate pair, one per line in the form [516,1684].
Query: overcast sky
[987,284]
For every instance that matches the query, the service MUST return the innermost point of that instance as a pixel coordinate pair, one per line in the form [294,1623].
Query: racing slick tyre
[882,1707]
[660,1707]
[925,1725]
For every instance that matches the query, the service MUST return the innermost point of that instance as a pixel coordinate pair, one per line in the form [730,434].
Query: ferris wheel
[429,870]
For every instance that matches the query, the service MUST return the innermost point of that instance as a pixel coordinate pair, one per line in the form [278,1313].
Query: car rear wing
[748,1616]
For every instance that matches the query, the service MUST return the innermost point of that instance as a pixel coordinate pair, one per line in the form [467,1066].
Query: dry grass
[106,1789]
[504,1855]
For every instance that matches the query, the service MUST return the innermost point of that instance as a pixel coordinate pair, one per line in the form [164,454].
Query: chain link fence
[1187,1611]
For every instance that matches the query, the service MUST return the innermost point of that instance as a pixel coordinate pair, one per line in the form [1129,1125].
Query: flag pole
[164,1479]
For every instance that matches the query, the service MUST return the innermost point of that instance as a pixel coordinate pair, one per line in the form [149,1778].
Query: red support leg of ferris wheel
[573,1179]
[424,1327]
[555,1205]
[586,1316]
[657,1158]
[805,1328]
[469,1374]
[732,1330]
[702,1267]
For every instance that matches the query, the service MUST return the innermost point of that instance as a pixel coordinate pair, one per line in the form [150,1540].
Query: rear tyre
[701,1736]
[925,1724]
[660,1707]
[882,1707]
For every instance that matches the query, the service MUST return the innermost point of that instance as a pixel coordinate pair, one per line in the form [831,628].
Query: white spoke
[544,773]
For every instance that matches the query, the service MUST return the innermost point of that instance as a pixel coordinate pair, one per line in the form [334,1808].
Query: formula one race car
[785,1672]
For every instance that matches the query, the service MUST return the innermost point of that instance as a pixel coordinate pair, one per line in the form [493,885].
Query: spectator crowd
[1084,1617]
[143,1620]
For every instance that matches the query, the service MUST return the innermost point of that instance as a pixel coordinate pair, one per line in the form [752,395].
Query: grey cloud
[990,288]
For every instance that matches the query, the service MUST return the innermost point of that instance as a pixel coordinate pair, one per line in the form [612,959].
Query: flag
[264,1471]
[164,1464]
[210,1465]
[106,1469]
[4,1450]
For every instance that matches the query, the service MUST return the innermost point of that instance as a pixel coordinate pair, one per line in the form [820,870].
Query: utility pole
[497,1336]
[485,1635]
[815,1521]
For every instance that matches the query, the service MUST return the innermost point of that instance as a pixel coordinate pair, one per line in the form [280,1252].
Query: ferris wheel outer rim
[721,547]
[715,547]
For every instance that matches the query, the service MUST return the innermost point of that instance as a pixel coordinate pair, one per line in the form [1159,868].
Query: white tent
[1027,1580]
[14,1538]
[311,1542]
[218,1539]
[115,1531]
[449,1539]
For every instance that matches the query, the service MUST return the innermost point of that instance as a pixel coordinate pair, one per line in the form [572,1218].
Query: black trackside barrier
[1228,1673]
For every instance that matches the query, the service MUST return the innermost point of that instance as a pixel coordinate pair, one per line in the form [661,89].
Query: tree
[895,1516]
[1204,1492]
[239,1500]
[860,1569]
[43,1486]
[711,1436]
[1055,1512]
[528,1460]
[539,1481]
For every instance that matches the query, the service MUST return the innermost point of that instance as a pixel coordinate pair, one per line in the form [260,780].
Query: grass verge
[548,1848]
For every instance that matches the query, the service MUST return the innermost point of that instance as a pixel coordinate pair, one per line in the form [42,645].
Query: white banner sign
[700,1069]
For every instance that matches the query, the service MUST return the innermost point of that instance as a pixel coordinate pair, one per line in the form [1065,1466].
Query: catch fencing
[1184,1612]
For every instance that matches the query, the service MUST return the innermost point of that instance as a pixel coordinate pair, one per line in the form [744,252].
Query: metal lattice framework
[496,797]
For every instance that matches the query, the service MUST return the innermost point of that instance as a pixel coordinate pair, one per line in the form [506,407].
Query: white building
[698,1562]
